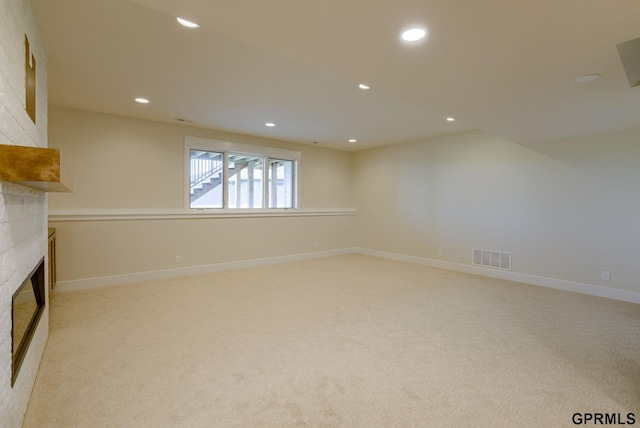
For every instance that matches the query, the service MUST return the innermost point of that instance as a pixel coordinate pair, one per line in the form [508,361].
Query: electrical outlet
[178,259]
[317,245]
[440,253]
[606,275]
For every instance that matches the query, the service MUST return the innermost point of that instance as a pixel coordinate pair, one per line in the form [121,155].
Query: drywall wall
[120,162]
[23,212]
[567,210]
[124,165]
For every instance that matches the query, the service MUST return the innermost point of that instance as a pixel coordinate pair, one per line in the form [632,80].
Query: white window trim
[229,147]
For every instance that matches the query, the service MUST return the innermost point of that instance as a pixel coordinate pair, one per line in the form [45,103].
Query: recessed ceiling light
[363,86]
[187,24]
[450,119]
[142,100]
[414,34]
[585,79]
[270,124]
[353,140]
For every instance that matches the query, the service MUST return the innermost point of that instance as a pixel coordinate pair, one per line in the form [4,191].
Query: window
[205,172]
[245,181]
[222,174]
[280,183]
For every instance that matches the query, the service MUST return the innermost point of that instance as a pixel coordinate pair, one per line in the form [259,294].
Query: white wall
[124,166]
[567,210]
[23,212]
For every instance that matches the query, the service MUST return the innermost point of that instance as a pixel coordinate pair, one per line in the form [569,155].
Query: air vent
[491,259]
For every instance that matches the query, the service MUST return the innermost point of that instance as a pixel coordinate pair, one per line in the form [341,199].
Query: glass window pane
[205,176]
[245,181]
[281,189]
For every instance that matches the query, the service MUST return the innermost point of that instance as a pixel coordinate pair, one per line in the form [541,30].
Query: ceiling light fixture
[142,100]
[450,119]
[187,24]
[414,34]
[363,86]
[353,140]
[270,124]
[587,78]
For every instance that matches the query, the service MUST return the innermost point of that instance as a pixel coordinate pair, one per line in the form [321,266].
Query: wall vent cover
[491,259]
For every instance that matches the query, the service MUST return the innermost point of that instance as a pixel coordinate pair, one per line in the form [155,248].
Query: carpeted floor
[349,341]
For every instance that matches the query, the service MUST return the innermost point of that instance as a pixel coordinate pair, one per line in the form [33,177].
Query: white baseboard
[558,284]
[104,281]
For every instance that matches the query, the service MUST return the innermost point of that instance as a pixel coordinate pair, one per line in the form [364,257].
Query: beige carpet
[350,341]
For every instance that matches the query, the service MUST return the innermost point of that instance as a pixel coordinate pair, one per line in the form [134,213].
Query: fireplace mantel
[35,167]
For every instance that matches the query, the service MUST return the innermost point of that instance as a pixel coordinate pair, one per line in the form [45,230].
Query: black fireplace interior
[26,310]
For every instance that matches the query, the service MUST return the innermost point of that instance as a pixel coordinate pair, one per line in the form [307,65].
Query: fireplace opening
[26,310]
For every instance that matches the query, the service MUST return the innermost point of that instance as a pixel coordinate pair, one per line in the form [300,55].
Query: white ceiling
[502,66]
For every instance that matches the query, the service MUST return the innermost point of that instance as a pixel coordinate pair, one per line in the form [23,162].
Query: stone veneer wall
[23,212]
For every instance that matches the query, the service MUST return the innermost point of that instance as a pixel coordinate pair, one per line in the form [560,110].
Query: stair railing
[203,169]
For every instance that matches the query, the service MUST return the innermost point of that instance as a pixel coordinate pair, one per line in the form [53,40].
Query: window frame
[232,148]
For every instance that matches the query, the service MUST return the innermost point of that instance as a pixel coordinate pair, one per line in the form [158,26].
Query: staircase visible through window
[223,178]
[206,172]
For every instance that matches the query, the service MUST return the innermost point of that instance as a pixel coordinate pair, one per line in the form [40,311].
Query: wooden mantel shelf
[35,167]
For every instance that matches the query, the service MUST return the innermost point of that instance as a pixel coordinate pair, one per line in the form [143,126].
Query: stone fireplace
[23,244]
[23,211]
